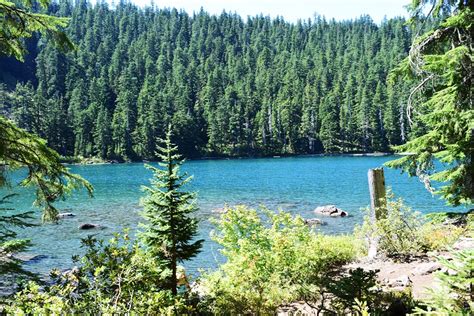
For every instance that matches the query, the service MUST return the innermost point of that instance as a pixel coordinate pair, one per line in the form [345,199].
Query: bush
[404,232]
[438,236]
[464,222]
[114,278]
[272,259]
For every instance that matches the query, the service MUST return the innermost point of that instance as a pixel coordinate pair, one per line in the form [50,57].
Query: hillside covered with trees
[229,86]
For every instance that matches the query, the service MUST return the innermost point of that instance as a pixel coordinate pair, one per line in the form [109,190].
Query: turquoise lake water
[297,185]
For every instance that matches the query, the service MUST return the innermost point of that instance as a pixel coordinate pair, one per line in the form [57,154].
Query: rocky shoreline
[100,161]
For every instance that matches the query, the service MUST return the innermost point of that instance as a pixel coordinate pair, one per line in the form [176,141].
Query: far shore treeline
[230,86]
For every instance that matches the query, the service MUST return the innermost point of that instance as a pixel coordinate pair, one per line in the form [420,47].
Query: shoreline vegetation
[99,161]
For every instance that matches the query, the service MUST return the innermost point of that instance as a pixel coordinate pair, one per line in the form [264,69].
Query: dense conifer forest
[230,86]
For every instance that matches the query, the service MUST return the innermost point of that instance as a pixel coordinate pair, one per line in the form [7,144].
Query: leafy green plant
[454,223]
[357,292]
[272,258]
[357,286]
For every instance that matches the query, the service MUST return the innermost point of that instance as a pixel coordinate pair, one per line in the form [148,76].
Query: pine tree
[169,231]
[329,124]
[442,62]
[18,22]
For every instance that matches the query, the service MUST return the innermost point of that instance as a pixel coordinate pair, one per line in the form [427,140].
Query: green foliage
[272,259]
[33,301]
[455,296]
[10,221]
[442,61]
[51,179]
[357,292]
[117,277]
[169,232]
[17,22]
[404,232]
[357,286]
[230,86]
[455,218]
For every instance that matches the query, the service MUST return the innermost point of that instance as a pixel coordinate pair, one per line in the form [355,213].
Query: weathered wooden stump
[378,204]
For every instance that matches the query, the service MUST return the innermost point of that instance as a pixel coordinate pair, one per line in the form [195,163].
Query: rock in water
[66,215]
[90,226]
[29,258]
[220,210]
[313,221]
[330,210]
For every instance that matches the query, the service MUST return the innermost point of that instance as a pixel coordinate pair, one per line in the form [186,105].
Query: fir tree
[169,231]
[442,102]
[18,21]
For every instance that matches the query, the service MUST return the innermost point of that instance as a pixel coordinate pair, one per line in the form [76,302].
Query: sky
[292,10]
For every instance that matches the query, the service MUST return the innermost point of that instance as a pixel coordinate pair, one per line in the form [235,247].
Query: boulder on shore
[66,215]
[90,226]
[330,210]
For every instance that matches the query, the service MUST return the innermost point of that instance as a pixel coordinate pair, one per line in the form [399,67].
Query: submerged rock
[313,221]
[220,210]
[28,258]
[330,210]
[90,226]
[66,215]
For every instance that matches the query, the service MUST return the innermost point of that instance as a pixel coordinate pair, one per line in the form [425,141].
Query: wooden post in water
[378,204]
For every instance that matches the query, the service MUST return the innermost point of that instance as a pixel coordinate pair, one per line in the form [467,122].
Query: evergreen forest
[230,86]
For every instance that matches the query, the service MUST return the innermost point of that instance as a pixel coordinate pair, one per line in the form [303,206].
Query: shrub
[114,278]
[404,232]
[438,236]
[272,258]
[462,223]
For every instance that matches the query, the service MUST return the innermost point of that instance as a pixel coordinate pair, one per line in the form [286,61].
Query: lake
[295,184]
